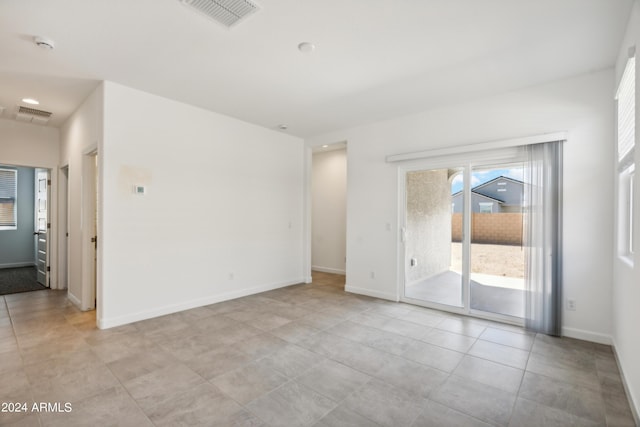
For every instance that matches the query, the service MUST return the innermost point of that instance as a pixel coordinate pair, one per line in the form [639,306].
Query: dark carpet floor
[15,280]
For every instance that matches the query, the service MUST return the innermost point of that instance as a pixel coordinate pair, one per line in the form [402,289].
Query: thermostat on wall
[140,190]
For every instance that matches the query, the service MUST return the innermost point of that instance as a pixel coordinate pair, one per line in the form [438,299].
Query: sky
[482,176]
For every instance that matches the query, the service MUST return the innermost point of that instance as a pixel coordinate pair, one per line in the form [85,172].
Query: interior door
[42,226]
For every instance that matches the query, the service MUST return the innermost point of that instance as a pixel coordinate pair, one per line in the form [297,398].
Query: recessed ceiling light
[30,101]
[325,146]
[306,47]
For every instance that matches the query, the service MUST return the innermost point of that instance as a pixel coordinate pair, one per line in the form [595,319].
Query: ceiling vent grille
[32,115]
[226,12]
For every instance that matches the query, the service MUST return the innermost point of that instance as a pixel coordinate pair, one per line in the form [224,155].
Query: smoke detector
[44,42]
[225,12]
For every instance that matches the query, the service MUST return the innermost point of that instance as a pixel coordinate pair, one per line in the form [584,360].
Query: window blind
[8,188]
[626,97]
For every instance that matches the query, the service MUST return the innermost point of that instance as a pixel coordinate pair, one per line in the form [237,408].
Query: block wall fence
[490,228]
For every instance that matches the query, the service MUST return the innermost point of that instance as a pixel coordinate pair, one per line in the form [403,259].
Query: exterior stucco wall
[428,223]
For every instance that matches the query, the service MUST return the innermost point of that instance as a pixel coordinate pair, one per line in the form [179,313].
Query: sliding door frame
[468,162]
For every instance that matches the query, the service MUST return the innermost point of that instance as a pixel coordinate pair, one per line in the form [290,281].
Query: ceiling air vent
[226,12]
[31,115]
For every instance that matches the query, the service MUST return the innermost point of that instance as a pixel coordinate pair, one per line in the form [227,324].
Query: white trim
[371,293]
[581,334]
[632,405]
[17,264]
[307,197]
[327,270]
[105,323]
[470,148]
[74,300]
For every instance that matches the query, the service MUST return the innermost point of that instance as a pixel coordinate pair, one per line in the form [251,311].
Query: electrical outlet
[414,262]
[571,304]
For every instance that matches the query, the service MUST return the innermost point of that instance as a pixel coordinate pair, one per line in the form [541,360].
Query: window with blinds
[8,193]
[626,98]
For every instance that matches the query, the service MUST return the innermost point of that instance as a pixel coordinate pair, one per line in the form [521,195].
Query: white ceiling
[374,59]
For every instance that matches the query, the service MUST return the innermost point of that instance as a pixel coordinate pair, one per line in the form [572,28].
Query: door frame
[467,161]
[63,230]
[88,229]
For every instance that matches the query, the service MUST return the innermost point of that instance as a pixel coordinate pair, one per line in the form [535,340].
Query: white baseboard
[630,398]
[371,293]
[587,335]
[17,265]
[328,270]
[74,300]
[105,323]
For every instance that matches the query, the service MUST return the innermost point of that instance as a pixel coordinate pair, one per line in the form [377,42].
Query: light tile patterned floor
[299,356]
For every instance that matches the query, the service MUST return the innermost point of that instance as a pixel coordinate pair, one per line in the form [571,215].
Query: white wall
[329,211]
[79,135]
[223,213]
[582,106]
[626,283]
[25,144]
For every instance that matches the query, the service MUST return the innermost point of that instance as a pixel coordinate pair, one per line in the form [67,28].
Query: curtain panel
[543,238]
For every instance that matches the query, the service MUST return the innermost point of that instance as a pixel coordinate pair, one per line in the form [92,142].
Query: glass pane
[434,231]
[497,254]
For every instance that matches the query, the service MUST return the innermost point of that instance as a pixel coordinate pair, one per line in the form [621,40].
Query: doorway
[463,237]
[25,229]
[329,210]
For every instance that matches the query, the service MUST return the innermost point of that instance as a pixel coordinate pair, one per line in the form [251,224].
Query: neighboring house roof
[479,194]
[484,184]
[517,181]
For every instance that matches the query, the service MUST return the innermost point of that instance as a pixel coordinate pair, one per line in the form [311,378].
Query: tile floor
[298,356]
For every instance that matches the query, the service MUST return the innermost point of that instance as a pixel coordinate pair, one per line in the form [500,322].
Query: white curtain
[543,238]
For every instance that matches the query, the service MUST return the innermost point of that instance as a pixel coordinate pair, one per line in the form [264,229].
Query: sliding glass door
[463,238]
[433,236]
[497,262]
